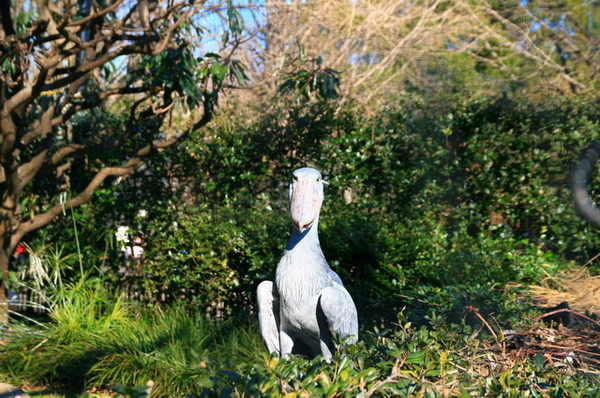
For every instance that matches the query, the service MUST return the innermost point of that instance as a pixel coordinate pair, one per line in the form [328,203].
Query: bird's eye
[318,179]
[295,177]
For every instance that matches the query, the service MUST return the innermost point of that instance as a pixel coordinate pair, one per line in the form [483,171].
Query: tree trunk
[4,263]
[9,241]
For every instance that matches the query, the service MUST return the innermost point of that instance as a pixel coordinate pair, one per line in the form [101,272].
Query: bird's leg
[326,351]
[286,342]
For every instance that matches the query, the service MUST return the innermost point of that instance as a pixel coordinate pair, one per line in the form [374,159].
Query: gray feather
[307,307]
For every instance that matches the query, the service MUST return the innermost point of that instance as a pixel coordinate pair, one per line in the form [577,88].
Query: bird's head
[306,197]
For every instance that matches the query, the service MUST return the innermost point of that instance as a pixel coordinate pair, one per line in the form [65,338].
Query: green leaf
[236,22]
[218,71]
[237,69]
[417,357]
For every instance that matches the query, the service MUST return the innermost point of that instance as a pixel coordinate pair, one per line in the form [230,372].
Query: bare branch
[70,65]
[98,14]
[380,45]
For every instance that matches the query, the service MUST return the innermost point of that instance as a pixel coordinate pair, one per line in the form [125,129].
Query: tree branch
[97,15]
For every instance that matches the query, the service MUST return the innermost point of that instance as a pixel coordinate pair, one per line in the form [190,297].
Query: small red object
[19,249]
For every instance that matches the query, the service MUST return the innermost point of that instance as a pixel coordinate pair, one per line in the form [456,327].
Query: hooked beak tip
[302,227]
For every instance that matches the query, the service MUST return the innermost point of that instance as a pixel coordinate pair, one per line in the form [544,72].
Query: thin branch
[587,318]
[97,14]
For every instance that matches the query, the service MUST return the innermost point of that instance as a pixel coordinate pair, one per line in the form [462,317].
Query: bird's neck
[304,241]
[303,270]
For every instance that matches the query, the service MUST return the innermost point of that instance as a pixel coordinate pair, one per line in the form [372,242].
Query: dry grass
[576,286]
[574,340]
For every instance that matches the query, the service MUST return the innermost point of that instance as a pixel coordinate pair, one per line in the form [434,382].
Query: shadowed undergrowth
[93,339]
[455,342]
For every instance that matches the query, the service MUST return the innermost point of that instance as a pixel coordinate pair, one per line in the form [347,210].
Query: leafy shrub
[412,362]
[95,342]
[415,196]
[213,260]
[516,157]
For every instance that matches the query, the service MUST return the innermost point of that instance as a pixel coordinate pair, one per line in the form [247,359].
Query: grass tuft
[97,339]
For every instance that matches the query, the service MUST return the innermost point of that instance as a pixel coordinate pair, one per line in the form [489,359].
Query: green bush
[514,158]
[415,196]
[411,362]
[212,259]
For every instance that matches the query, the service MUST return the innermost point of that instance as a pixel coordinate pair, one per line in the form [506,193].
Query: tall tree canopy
[90,90]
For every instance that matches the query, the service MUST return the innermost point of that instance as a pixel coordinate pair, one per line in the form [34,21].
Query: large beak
[306,198]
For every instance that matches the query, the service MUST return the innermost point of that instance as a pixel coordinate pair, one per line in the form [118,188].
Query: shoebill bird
[307,308]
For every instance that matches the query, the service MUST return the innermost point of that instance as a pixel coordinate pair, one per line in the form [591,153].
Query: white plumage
[307,304]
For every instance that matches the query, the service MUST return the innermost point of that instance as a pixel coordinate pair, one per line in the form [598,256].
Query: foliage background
[446,129]
[479,193]
[448,166]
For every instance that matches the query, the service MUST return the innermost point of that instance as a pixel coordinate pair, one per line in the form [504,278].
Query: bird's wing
[340,312]
[336,278]
[268,315]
